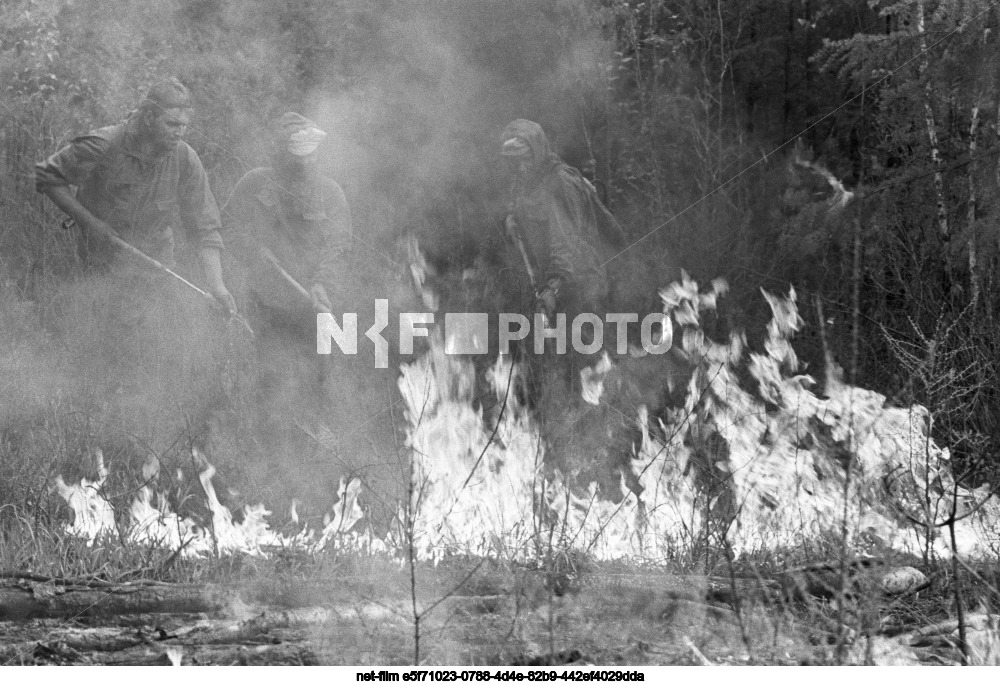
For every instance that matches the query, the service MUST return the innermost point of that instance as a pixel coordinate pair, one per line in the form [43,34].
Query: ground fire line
[480,491]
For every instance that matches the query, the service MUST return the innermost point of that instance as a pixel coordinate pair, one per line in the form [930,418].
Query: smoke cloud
[413,95]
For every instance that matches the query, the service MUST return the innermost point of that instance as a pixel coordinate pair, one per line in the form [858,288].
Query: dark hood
[535,137]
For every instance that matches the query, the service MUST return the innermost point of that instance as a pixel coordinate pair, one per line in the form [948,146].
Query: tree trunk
[971,213]
[786,110]
[932,138]
[39,600]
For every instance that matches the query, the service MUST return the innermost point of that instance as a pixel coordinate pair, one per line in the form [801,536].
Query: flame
[175,655]
[94,517]
[248,536]
[592,379]
[154,526]
[469,494]
[151,522]
[774,476]
[474,495]
[346,514]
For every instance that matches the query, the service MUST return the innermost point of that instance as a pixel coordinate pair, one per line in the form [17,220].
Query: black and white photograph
[468,340]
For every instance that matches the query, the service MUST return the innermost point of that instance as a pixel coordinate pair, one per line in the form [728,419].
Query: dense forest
[687,113]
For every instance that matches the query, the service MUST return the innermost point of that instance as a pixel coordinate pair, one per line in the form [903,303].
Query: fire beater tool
[211,299]
[514,234]
[516,237]
[299,288]
[142,256]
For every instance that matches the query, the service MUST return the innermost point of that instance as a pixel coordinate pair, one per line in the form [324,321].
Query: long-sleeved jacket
[144,197]
[307,228]
[558,214]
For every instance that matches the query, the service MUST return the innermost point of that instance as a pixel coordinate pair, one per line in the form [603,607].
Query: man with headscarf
[566,231]
[290,226]
[137,180]
[142,341]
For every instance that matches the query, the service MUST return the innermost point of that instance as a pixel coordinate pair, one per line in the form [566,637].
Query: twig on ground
[697,652]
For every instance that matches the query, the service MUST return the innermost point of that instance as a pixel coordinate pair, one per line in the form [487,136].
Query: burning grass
[746,475]
[748,466]
[781,451]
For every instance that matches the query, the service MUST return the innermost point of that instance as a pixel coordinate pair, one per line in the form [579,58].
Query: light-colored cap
[515,147]
[304,142]
[299,134]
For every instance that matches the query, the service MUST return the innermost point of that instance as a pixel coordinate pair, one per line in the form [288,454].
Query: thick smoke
[415,132]
[415,137]
[413,94]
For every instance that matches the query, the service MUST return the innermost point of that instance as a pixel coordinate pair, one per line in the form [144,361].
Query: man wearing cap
[290,216]
[290,226]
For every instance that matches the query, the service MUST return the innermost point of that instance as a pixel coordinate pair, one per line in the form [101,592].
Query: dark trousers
[291,375]
[145,353]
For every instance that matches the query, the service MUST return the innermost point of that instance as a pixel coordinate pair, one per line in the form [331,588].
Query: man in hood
[568,234]
[565,237]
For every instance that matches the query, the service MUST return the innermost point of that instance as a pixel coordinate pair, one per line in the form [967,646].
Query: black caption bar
[537,675]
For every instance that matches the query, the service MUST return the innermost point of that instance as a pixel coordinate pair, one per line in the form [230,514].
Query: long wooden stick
[527,261]
[215,303]
[299,288]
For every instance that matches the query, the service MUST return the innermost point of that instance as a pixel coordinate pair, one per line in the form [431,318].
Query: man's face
[525,163]
[521,164]
[168,127]
[295,165]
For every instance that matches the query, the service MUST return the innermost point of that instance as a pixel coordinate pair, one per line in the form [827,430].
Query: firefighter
[567,233]
[143,346]
[564,236]
[138,180]
[290,227]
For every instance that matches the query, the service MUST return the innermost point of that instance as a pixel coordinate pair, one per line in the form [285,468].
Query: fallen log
[48,600]
[68,642]
[820,580]
[864,576]
[733,591]
[945,628]
[212,655]
[66,649]
[82,581]
[691,587]
[158,654]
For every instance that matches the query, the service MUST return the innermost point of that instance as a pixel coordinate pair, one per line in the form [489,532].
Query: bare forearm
[65,200]
[211,265]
